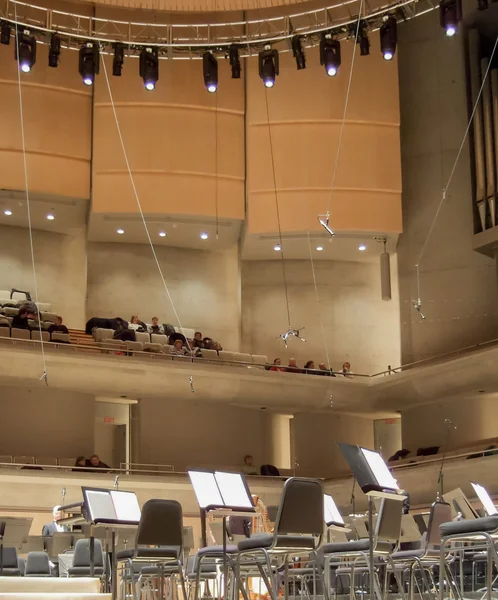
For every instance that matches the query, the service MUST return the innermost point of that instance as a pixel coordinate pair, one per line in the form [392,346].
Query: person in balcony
[179,349]
[277,366]
[322,370]
[293,368]
[136,324]
[309,366]
[20,321]
[346,370]
[58,326]
[156,328]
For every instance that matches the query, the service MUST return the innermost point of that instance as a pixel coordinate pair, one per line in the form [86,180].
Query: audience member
[176,336]
[248,468]
[156,328]
[81,461]
[293,368]
[322,370]
[54,527]
[20,321]
[58,326]
[178,349]
[136,324]
[198,342]
[310,365]
[276,365]
[96,463]
[346,369]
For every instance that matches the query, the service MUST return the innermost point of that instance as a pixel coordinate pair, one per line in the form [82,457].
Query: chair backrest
[161,524]
[37,563]
[388,525]
[82,553]
[10,558]
[301,508]
[20,334]
[24,460]
[142,336]
[440,513]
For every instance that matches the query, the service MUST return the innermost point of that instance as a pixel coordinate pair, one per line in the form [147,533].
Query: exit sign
[109,420]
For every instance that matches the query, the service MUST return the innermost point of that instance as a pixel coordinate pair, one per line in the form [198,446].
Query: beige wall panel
[57,124]
[170,138]
[306,110]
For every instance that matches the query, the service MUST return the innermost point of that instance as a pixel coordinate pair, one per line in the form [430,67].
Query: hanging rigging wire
[343,122]
[139,204]
[216,165]
[417,304]
[28,207]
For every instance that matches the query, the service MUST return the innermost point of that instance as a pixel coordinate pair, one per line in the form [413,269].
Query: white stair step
[49,585]
[54,596]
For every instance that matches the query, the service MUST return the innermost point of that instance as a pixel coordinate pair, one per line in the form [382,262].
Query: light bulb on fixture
[7,212]
[120,231]
[277,247]
[319,248]
[162,234]
[204,236]
[362,247]
[50,217]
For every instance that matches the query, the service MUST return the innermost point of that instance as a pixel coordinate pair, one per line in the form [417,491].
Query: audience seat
[259,359]
[101,334]
[242,357]
[226,355]
[35,335]
[24,460]
[4,332]
[143,337]
[20,334]
[48,316]
[63,338]
[5,458]
[44,306]
[167,348]
[111,344]
[187,332]
[67,462]
[149,347]
[10,312]
[210,354]
[46,460]
[157,338]
[134,346]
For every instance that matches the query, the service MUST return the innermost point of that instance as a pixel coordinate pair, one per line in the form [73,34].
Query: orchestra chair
[81,559]
[158,548]
[10,565]
[38,565]
[298,531]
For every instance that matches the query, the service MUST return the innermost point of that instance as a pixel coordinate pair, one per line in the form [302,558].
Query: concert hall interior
[248,299]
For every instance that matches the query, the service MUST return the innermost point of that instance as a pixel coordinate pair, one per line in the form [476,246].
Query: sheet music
[331,513]
[233,490]
[100,504]
[126,506]
[206,489]
[380,470]
[485,499]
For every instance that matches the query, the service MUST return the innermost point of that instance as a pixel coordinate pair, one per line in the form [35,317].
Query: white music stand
[14,531]
[485,499]
[223,495]
[375,480]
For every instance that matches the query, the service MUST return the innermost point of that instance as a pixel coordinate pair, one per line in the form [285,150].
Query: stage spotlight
[450,14]
[363,39]
[330,54]
[25,50]
[268,66]
[5,31]
[277,247]
[482,4]
[149,67]
[54,50]
[210,72]
[233,56]
[89,62]
[298,52]
[204,236]
[7,212]
[362,247]
[50,216]
[120,231]
[118,60]
[388,37]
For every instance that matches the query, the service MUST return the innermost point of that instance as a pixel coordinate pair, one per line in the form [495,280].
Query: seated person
[198,342]
[155,327]
[20,321]
[248,467]
[346,369]
[322,370]
[178,349]
[136,324]
[96,463]
[80,464]
[276,365]
[58,326]
[53,527]
[310,365]
[176,336]
[293,368]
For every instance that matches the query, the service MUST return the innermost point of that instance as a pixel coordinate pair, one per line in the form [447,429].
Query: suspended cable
[28,207]
[278,211]
[139,204]
[343,122]
[216,165]
[452,173]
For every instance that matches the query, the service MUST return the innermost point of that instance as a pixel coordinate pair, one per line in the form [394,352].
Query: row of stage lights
[330,51]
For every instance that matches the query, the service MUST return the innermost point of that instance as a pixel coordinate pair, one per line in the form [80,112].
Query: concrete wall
[60,268]
[315,441]
[474,419]
[357,324]
[458,286]
[46,422]
[123,279]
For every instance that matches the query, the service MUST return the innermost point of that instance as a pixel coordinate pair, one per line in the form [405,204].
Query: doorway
[112,440]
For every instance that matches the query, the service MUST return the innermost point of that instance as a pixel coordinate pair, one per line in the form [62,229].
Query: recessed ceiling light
[362,247]
[50,217]
[277,248]
[7,212]
[120,231]
[204,236]
[319,248]
[162,234]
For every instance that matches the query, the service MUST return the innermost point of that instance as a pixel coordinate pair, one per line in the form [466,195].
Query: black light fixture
[363,39]
[54,50]
[5,31]
[25,50]
[388,37]
[298,52]
[268,66]
[89,62]
[233,56]
[330,54]
[210,71]
[118,59]
[149,67]
[482,4]
[450,14]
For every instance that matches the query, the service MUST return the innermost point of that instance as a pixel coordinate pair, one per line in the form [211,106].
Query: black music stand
[223,495]
[113,509]
[375,480]
[14,532]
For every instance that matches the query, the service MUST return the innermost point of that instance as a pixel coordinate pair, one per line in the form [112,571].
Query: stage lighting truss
[230,40]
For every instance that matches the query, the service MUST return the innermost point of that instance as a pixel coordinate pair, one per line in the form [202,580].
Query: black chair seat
[10,572]
[161,552]
[472,526]
[265,540]
[218,550]
[479,557]
[353,546]
[84,571]
[404,554]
